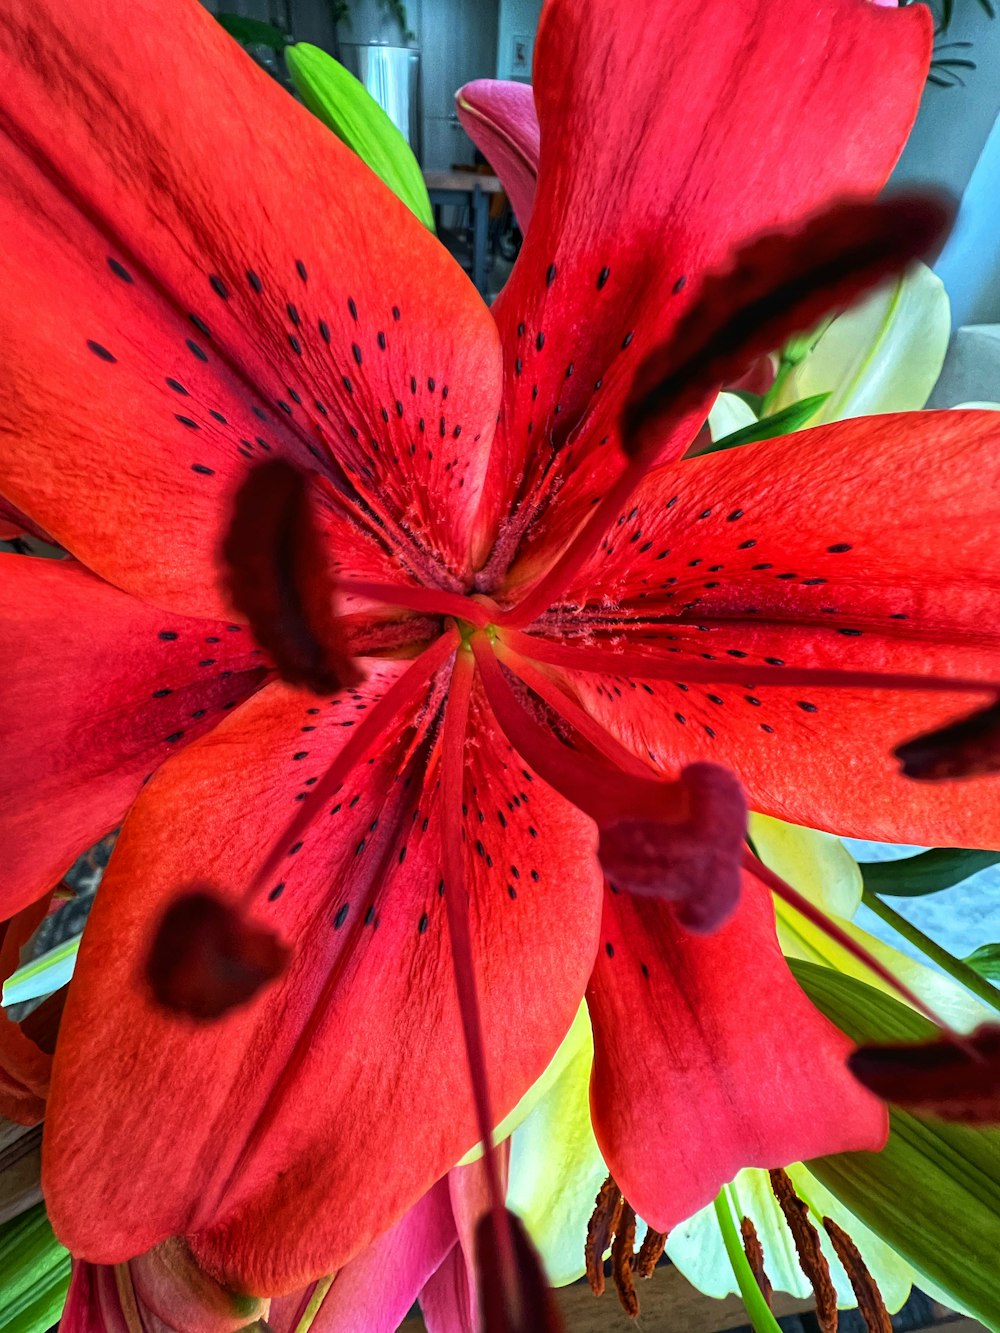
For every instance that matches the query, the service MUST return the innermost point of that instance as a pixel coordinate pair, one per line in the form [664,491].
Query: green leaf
[927,872]
[933,1193]
[254,32]
[785,422]
[35,1270]
[986,961]
[343,104]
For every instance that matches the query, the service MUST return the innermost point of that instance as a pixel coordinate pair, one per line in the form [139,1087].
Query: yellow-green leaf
[933,1193]
[345,105]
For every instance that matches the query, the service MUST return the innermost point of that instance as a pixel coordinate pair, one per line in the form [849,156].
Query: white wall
[956,145]
[517,18]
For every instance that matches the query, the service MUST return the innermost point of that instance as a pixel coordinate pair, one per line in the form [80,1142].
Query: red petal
[294,1113]
[780,284]
[671,135]
[499,117]
[801,551]
[98,690]
[135,218]
[163,1291]
[25,1064]
[943,1078]
[711,1031]
[281,579]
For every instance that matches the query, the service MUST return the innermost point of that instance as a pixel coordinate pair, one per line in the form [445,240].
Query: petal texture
[98,690]
[204,287]
[865,545]
[669,136]
[366,1016]
[713,1030]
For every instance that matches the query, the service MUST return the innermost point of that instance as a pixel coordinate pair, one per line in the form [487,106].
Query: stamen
[870,1303]
[754,1252]
[776,286]
[812,1260]
[432,601]
[457,902]
[651,666]
[600,1231]
[622,1258]
[581,720]
[653,1245]
[678,841]
[402,693]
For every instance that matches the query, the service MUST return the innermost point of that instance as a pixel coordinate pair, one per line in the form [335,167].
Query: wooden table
[471,189]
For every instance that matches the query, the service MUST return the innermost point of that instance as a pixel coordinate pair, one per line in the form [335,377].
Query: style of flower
[199,279]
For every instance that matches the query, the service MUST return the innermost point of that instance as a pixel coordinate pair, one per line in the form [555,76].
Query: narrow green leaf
[254,32]
[927,872]
[933,1193]
[986,961]
[761,1318]
[35,1271]
[42,975]
[785,422]
[343,104]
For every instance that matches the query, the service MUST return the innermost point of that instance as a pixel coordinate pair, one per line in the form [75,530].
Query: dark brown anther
[623,1259]
[600,1230]
[754,1252]
[653,1245]
[869,1298]
[812,1260]
[963,749]
[280,577]
[206,958]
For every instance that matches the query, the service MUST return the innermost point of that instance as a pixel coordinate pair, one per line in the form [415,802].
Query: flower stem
[757,1308]
[316,1300]
[962,972]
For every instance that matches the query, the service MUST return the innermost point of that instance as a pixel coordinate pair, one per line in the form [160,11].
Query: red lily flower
[199,277]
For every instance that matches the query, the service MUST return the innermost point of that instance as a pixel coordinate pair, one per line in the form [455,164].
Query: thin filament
[840,936]
[432,601]
[404,691]
[655,666]
[456,898]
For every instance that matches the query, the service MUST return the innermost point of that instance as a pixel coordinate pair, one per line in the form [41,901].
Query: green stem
[313,1308]
[757,1308]
[785,368]
[962,972]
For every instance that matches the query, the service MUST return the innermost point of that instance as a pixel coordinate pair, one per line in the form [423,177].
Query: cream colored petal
[883,355]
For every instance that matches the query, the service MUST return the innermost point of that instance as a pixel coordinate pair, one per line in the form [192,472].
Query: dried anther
[754,1252]
[206,958]
[600,1231]
[623,1259]
[869,1298]
[612,1224]
[812,1260]
[652,1247]
[963,749]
